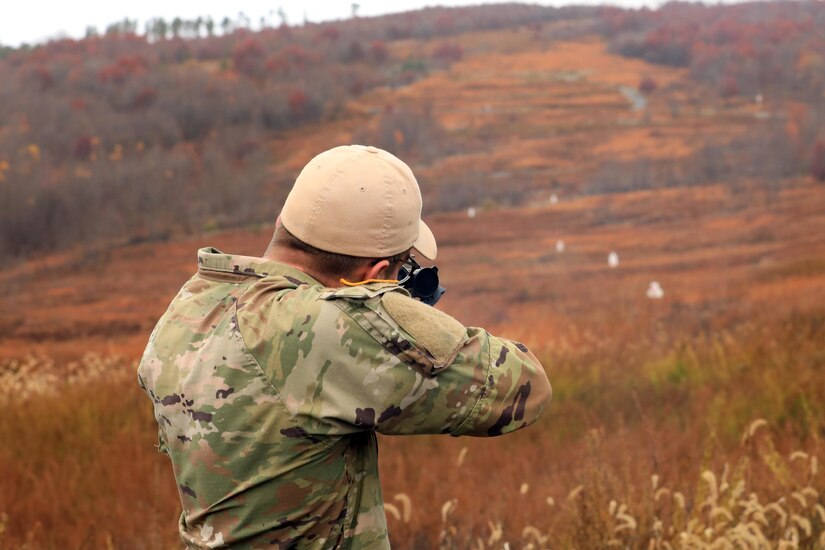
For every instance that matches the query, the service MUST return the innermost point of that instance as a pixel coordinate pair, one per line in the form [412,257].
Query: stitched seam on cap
[382,243]
[322,195]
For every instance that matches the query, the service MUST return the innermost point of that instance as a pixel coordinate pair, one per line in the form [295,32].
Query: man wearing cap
[270,376]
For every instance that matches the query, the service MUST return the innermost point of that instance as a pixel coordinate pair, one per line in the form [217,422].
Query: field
[691,420]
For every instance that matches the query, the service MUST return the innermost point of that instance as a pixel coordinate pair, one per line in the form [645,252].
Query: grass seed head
[628,522]
[461,456]
[531,532]
[496,532]
[798,455]
[752,428]
[803,523]
[406,506]
[759,517]
[799,498]
[720,512]
[447,508]
[392,510]
[572,495]
[710,478]
[738,489]
[779,511]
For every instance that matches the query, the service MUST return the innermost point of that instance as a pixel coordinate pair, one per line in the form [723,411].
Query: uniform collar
[212,259]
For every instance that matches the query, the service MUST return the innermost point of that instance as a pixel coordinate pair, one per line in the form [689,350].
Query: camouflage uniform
[268,389]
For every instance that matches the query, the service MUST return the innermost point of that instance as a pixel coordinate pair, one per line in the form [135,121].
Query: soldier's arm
[391,364]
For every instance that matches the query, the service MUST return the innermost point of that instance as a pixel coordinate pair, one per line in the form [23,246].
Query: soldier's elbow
[541,393]
[544,392]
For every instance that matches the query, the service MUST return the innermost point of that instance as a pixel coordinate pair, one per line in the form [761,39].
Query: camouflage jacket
[268,389]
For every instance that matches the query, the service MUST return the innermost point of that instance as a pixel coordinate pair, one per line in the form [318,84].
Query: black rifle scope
[421,282]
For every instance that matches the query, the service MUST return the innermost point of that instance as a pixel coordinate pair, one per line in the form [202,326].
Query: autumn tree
[248,57]
[448,52]
[818,161]
[729,88]
[647,85]
[379,52]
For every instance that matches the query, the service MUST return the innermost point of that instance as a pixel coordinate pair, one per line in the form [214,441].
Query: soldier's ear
[377,270]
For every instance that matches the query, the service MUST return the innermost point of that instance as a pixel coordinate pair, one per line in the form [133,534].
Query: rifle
[421,282]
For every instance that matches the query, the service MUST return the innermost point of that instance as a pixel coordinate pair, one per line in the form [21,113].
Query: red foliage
[298,103]
[818,161]
[79,104]
[247,57]
[729,88]
[277,64]
[144,98]
[42,78]
[357,86]
[299,57]
[329,34]
[747,43]
[647,85]
[407,76]
[379,52]
[83,148]
[395,32]
[355,52]
[122,69]
[445,23]
[245,148]
[448,52]
[291,58]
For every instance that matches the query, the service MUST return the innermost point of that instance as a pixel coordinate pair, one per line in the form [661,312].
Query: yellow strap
[368,281]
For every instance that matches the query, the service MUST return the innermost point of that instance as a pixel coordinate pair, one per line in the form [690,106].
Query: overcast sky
[36,21]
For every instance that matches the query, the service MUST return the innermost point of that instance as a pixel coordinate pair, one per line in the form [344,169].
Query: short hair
[328,264]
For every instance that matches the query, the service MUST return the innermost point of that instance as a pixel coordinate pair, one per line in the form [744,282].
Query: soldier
[270,376]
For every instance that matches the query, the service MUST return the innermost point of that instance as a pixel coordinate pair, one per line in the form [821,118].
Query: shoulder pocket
[365,305]
[433,330]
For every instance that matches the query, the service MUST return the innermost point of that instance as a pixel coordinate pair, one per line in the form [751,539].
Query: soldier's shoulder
[431,329]
[415,332]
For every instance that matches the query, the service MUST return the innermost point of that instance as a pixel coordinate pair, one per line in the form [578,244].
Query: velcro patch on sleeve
[435,331]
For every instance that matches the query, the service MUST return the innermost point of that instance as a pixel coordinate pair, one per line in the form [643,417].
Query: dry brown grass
[641,449]
[78,465]
[625,412]
[764,500]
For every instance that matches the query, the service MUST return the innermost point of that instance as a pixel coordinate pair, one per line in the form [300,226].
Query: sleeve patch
[437,332]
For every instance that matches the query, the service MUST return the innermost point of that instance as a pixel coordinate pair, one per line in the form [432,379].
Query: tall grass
[643,447]
[763,499]
[78,465]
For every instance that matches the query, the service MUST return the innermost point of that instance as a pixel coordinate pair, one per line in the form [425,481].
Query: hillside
[121,137]
[515,128]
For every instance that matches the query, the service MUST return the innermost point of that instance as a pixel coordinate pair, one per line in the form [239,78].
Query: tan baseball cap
[360,201]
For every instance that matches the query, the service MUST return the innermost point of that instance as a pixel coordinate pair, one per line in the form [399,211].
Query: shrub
[647,85]
[818,161]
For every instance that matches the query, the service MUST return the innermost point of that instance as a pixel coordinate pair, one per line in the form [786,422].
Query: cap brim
[425,243]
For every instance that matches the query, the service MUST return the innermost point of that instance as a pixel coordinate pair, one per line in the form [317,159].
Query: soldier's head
[354,213]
